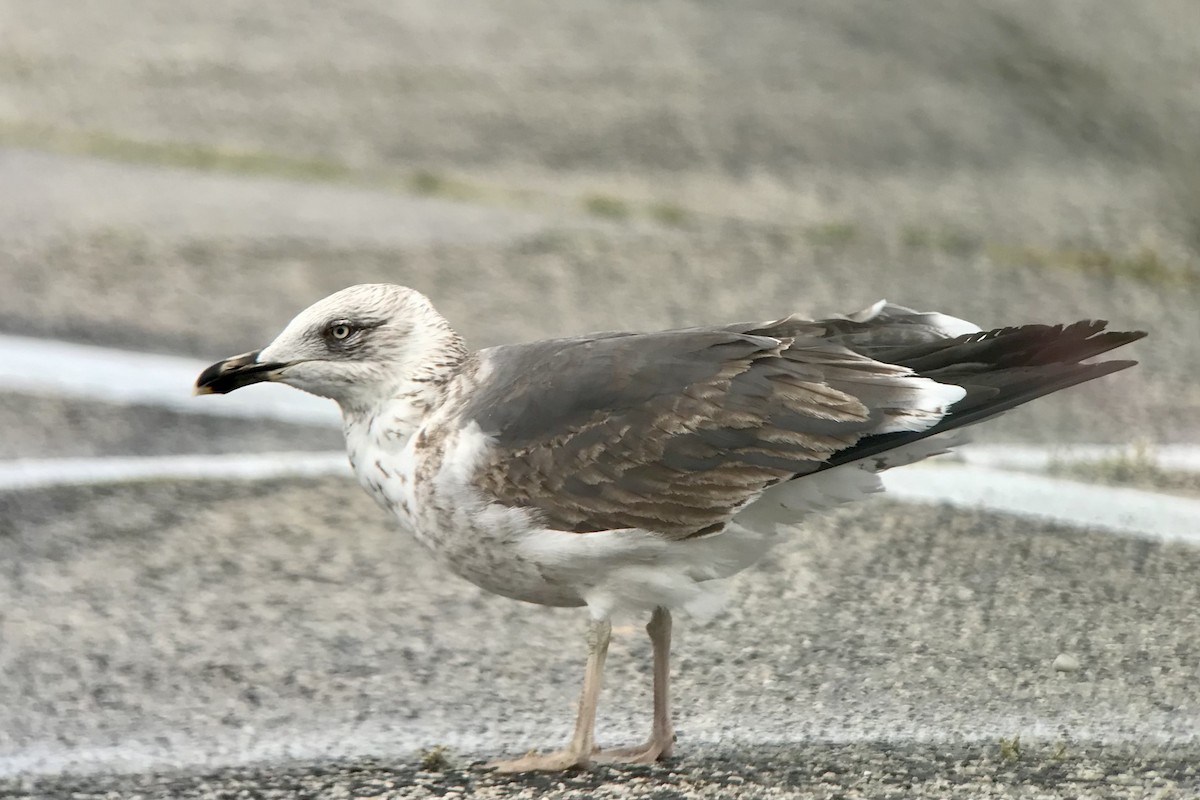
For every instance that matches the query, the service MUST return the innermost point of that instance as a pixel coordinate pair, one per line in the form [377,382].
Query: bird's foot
[655,749]
[568,758]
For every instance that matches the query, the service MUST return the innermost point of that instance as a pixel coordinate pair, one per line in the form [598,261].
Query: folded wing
[677,431]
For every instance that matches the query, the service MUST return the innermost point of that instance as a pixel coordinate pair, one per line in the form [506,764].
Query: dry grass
[1137,469]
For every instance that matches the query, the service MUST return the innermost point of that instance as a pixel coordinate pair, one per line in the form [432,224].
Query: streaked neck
[433,355]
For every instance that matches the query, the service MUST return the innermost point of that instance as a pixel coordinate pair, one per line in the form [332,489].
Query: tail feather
[1000,370]
[1028,345]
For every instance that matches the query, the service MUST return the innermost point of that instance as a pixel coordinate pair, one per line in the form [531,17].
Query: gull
[632,472]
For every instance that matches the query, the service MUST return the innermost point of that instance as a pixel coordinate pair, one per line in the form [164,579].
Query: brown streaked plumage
[676,432]
[633,470]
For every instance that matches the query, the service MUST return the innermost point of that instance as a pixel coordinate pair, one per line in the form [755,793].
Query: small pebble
[1066,663]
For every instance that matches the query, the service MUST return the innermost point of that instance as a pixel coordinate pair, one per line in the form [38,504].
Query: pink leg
[578,752]
[662,734]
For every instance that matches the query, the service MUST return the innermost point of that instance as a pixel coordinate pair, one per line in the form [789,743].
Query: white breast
[426,482]
[382,459]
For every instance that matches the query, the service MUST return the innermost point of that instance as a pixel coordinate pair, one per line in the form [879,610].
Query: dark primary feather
[676,431]
[1000,369]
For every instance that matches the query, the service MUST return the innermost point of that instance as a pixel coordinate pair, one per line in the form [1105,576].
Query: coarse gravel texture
[158,625]
[37,426]
[839,771]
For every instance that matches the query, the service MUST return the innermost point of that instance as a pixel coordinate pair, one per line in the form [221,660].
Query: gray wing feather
[675,431]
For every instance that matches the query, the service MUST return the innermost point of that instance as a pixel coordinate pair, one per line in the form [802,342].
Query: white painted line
[115,376]
[64,369]
[44,366]
[1177,457]
[32,473]
[1109,508]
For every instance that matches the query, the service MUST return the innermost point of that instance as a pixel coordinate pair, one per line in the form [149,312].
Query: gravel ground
[841,772]
[50,427]
[160,625]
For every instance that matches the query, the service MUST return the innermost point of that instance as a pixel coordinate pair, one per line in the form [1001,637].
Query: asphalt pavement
[208,638]
[281,638]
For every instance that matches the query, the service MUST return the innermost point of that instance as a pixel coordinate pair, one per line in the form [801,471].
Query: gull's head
[354,346]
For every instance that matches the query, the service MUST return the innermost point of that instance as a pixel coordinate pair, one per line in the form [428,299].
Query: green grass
[952,241]
[1012,751]
[187,155]
[211,158]
[174,154]
[1144,265]
[915,237]
[216,159]
[425,182]
[832,234]
[669,214]
[605,205]
[435,759]
[434,184]
[958,242]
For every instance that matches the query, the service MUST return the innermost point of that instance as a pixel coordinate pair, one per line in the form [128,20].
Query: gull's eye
[339,331]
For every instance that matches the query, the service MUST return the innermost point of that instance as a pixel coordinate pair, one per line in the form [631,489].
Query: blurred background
[608,165]
[181,178]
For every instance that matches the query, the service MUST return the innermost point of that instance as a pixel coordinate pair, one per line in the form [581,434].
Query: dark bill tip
[234,373]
